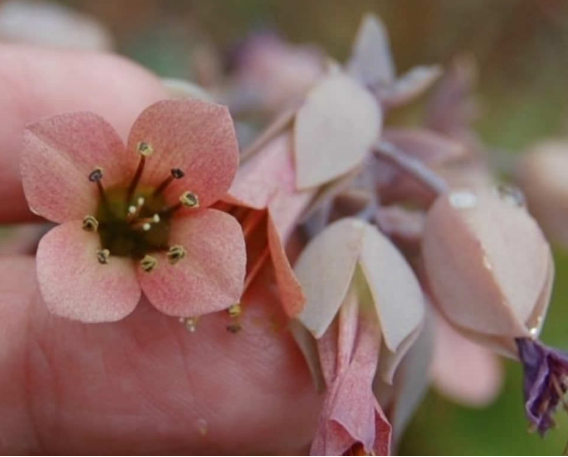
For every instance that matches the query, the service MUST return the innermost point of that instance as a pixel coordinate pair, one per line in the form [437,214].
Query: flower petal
[325,269]
[210,277]
[58,155]
[290,290]
[396,292]
[75,285]
[486,254]
[410,85]
[334,130]
[197,137]
[462,370]
[411,380]
[371,61]
[308,346]
[260,177]
[451,108]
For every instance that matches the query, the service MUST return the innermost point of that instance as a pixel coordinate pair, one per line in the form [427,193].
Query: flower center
[133,228]
[135,221]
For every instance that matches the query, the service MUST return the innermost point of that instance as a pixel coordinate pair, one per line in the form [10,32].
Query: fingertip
[38,82]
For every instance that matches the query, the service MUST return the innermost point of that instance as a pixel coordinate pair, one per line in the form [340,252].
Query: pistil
[134,211]
[146,223]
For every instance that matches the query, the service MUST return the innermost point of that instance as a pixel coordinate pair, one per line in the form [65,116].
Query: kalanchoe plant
[136,218]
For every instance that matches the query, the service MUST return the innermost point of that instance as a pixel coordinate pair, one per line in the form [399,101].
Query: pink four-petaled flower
[135,218]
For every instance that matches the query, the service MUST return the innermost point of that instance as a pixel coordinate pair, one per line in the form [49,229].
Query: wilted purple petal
[545,381]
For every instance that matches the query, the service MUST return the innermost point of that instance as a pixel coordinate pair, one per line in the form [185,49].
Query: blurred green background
[521,47]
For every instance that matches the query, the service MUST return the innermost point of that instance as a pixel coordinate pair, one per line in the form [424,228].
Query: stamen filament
[188,199]
[176,173]
[96,176]
[136,179]
[171,210]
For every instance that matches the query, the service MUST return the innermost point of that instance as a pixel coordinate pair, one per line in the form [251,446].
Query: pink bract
[192,259]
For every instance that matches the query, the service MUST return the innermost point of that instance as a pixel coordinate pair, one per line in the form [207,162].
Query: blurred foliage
[521,49]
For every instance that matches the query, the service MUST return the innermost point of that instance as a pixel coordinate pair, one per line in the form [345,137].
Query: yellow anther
[175,254]
[148,263]
[146,149]
[90,224]
[103,256]
[189,199]
[235,310]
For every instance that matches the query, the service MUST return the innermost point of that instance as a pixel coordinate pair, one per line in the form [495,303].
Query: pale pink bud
[542,176]
[488,265]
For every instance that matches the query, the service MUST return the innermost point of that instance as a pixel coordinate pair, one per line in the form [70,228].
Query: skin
[144,384]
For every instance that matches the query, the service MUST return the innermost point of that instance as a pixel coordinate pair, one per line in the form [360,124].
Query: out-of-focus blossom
[47,23]
[490,271]
[149,226]
[451,110]
[364,307]
[338,121]
[268,72]
[372,65]
[541,173]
